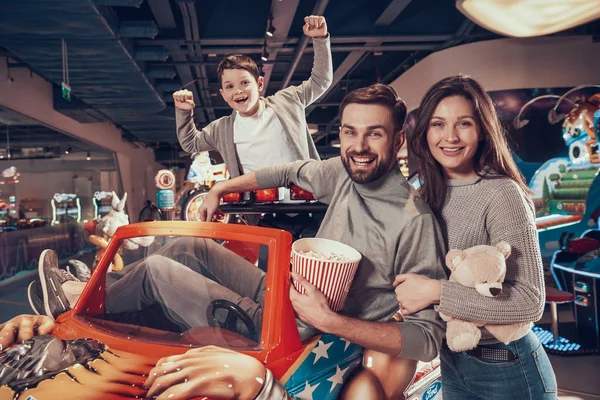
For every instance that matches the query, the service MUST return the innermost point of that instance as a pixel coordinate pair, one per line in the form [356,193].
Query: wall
[543,62]
[28,94]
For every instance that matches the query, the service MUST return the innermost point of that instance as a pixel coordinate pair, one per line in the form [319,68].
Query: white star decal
[321,350]
[347,343]
[307,393]
[338,377]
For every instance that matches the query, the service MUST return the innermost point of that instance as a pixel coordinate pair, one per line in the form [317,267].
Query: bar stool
[555,296]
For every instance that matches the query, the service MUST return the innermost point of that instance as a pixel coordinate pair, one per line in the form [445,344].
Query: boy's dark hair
[382,95]
[237,61]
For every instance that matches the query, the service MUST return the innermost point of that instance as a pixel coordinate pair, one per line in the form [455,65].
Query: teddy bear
[482,268]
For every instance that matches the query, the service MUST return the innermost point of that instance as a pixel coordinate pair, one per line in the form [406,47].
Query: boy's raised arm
[190,138]
[321,75]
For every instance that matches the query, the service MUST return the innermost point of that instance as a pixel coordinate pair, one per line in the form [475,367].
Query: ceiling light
[89,157]
[265,55]
[271,31]
[525,18]
[68,150]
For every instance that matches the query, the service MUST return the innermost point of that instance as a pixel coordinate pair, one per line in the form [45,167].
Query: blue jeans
[529,376]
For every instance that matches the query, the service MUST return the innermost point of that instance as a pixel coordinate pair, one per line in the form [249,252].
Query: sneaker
[51,279]
[36,297]
[82,271]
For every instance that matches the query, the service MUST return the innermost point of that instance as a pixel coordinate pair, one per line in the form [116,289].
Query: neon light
[53,212]
[78,210]
[557,226]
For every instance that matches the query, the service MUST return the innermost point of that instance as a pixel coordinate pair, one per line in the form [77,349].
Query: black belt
[489,353]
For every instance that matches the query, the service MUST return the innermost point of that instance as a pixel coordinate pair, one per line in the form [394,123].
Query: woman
[471,182]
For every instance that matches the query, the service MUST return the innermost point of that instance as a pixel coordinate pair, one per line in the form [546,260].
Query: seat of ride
[265,201]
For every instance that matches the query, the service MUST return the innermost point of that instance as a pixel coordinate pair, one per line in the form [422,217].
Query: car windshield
[187,291]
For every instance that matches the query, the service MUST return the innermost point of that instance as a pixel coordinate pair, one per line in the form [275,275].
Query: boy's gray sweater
[289,105]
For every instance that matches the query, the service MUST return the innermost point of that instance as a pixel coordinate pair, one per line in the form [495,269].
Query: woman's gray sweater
[486,211]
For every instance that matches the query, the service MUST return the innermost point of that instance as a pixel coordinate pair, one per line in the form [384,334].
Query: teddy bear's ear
[453,258]
[503,248]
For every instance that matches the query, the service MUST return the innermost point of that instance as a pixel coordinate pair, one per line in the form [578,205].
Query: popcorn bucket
[327,264]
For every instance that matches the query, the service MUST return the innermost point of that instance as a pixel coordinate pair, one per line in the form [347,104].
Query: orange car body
[280,346]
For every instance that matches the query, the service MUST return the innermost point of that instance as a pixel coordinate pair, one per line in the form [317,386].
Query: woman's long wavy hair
[493,151]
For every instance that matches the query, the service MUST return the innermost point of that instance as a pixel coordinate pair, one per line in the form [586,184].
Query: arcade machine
[200,178]
[567,200]
[576,269]
[102,204]
[165,198]
[7,221]
[65,208]
[566,190]
[8,208]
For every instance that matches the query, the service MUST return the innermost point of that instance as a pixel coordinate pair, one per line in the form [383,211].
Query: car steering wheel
[234,313]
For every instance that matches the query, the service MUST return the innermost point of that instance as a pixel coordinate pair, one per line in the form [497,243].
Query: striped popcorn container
[327,264]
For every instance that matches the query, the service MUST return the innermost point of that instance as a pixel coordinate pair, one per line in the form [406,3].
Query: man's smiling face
[368,145]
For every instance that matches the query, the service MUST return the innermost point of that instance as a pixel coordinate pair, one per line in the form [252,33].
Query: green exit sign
[66,92]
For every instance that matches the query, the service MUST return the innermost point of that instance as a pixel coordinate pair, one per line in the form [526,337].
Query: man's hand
[315,26]
[184,100]
[208,372]
[23,327]
[416,292]
[311,307]
[209,207]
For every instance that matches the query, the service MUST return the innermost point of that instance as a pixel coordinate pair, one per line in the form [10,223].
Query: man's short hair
[382,95]
[237,61]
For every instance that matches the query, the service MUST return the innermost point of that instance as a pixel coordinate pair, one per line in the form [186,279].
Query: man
[373,209]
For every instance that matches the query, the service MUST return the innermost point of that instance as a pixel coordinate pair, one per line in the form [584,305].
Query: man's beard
[360,176]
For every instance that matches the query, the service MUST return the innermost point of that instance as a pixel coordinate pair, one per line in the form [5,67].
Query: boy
[260,131]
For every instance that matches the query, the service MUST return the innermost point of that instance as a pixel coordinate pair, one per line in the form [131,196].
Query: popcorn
[327,264]
[320,256]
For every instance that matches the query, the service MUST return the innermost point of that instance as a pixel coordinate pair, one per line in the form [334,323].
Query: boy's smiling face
[241,91]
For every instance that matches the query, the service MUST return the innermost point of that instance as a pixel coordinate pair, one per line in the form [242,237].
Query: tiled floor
[578,377]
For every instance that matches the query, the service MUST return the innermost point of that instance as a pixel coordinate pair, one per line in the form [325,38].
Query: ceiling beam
[391,12]
[344,68]
[357,55]
[163,14]
[258,41]
[197,51]
[310,50]
[319,9]
[283,16]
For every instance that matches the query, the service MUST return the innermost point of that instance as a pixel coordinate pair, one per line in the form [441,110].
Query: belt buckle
[491,353]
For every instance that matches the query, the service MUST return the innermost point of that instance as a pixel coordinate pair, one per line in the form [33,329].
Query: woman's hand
[23,327]
[209,371]
[416,292]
